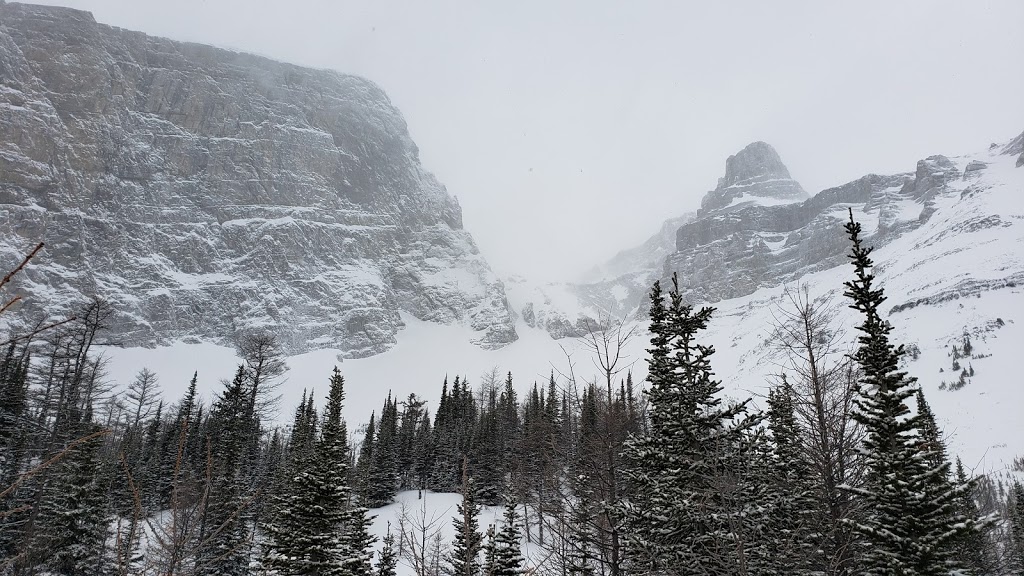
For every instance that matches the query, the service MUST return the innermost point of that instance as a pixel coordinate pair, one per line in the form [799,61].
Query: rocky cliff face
[733,250]
[758,228]
[205,193]
[756,175]
[756,186]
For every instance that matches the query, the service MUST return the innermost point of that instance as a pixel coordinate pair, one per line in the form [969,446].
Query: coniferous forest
[844,473]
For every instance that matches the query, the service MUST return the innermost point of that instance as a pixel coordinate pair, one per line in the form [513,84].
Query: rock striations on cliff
[205,193]
[731,250]
[758,228]
[754,175]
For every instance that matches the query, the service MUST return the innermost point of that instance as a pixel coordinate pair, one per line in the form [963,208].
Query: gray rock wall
[206,192]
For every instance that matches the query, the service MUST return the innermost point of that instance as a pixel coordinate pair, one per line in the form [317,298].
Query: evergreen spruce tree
[73,524]
[688,513]
[223,531]
[973,549]
[406,453]
[424,453]
[508,554]
[288,532]
[275,456]
[464,559]
[357,542]
[580,537]
[318,529]
[184,427]
[364,462]
[387,561]
[912,519]
[1016,544]
[13,414]
[790,548]
[487,461]
[339,541]
[149,473]
[508,430]
[443,475]
[490,551]
[931,442]
[14,446]
[382,480]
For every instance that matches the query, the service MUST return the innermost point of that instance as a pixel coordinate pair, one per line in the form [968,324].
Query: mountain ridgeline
[758,228]
[207,193]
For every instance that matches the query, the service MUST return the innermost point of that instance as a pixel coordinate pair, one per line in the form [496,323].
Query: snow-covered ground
[437,511]
[950,256]
[426,354]
[960,272]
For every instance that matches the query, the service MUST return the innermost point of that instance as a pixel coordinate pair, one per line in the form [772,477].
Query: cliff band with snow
[205,193]
[758,229]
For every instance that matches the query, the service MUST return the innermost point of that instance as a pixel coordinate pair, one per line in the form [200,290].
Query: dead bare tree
[175,536]
[127,535]
[142,395]
[421,538]
[582,518]
[264,365]
[808,345]
[607,344]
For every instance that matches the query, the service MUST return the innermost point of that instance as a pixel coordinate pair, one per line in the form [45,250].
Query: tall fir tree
[487,461]
[443,475]
[1016,514]
[382,478]
[387,561]
[318,529]
[424,454]
[789,532]
[14,446]
[332,552]
[13,413]
[288,537]
[223,533]
[579,534]
[912,519]
[688,513]
[73,524]
[464,559]
[974,550]
[508,555]
[364,462]
[490,548]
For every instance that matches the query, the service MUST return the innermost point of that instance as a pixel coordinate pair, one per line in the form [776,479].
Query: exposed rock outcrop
[757,175]
[206,192]
[733,250]
[758,228]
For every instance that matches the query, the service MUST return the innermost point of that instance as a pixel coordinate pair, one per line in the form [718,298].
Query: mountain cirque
[205,193]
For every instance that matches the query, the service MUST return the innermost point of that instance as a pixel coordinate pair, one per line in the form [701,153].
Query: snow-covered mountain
[959,269]
[206,193]
[758,229]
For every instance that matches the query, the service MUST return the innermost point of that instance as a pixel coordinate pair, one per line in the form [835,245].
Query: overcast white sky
[570,130]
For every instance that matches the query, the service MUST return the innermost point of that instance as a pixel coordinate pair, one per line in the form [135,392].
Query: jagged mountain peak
[755,174]
[745,242]
[756,160]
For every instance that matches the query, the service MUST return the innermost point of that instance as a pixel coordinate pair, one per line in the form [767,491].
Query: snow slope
[425,355]
[960,271]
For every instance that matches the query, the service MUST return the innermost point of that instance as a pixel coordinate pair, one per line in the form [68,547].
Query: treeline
[844,471]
